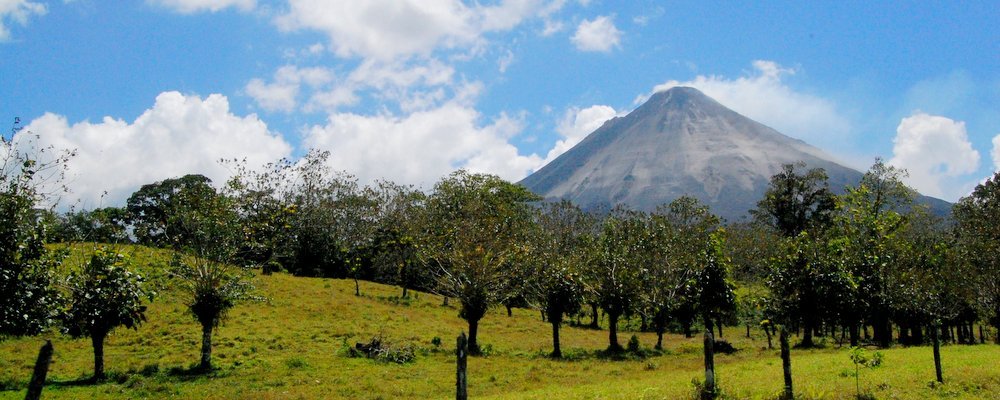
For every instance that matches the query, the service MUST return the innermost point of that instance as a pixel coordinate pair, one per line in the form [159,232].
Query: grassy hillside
[293,346]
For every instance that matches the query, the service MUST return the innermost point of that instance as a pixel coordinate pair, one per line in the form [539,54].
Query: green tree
[473,229]
[978,235]
[561,246]
[101,225]
[28,300]
[868,219]
[153,209]
[395,246]
[203,269]
[797,202]
[619,265]
[104,295]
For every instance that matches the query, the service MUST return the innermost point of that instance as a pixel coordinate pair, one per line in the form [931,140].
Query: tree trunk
[748,331]
[937,353]
[556,352]
[613,333]
[543,315]
[97,339]
[445,303]
[996,325]
[206,347]
[687,329]
[659,339]
[918,335]
[719,324]
[510,311]
[405,294]
[807,334]
[982,337]
[786,363]
[709,345]
[473,341]
[357,286]
[767,331]
[593,316]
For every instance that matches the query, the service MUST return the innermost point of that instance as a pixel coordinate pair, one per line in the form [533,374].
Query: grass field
[293,347]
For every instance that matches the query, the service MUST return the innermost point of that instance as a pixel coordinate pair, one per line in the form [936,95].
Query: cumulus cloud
[575,125]
[933,149]
[179,135]
[599,35]
[282,93]
[996,153]
[194,6]
[421,147]
[17,11]
[764,97]
[392,29]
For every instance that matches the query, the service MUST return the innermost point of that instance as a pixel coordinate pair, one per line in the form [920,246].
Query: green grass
[292,347]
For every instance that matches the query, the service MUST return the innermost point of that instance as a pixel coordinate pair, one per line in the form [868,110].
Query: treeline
[808,262]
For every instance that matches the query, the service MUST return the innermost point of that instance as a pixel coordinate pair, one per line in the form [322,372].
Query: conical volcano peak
[680,98]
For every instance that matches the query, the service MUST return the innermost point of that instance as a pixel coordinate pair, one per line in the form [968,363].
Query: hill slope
[290,347]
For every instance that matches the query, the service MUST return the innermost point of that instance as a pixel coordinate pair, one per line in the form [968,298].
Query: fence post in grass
[710,390]
[41,369]
[461,380]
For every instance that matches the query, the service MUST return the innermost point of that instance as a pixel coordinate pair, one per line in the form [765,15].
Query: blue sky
[411,89]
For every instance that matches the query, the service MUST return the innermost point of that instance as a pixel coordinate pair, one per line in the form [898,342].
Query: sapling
[862,358]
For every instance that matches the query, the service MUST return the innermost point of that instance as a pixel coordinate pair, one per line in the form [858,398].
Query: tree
[104,295]
[473,229]
[395,246]
[28,300]
[619,265]
[979,243]
[797,202]
[932,284]
[152,209]
[102,225]
[212,285]
[260,200]
[868,219]
[679,234]
[561,246]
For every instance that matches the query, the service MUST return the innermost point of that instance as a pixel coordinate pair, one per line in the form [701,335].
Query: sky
[410,90]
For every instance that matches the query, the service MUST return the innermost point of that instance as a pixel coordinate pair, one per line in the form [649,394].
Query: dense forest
[865,267]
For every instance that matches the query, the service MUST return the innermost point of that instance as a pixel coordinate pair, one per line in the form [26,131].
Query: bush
[724,347]
[633,344]
[381,349]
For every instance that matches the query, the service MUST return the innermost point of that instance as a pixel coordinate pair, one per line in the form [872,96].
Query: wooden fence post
[461,379]
[41,369]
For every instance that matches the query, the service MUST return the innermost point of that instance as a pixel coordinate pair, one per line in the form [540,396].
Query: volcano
[682,142]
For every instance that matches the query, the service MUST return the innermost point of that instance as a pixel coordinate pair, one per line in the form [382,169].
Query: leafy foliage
[104,295]
[28,301]
[474,227]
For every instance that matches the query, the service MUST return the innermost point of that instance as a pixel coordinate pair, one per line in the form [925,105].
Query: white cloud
[505,61]
[575,125]
[762,96]
[597,35]
[933,149]
[193,6]
[423,146]
[179,135]
[392,29]
[282,94]
[552,27]
[17,11]
[996,153]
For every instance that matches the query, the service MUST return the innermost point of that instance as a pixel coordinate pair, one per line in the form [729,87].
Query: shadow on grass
[577,355]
